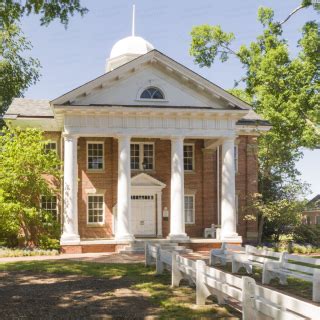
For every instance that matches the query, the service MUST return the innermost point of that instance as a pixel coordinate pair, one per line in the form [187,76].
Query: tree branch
[292,13]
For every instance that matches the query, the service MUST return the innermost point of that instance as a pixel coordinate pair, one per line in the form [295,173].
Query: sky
[73,56]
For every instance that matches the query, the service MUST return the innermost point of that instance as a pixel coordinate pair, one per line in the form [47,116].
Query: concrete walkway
[88,257]
[110,257]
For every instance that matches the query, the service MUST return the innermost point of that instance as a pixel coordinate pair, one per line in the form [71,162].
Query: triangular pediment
[145,180]
[182,87]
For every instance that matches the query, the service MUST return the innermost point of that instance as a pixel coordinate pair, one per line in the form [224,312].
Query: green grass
[171,303]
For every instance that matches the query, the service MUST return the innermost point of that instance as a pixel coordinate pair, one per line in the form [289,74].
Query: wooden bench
[253,257]
[224,254]
[289,266]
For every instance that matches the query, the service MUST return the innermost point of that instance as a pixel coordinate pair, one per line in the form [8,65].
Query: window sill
[96,170]
[190,172]
[152,100]
[96,225]
[190,224]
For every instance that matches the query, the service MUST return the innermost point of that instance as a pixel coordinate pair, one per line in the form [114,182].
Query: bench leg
[316,286]
[283,279]
[236,266]
[266,276]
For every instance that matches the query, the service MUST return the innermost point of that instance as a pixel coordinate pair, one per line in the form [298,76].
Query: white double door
[143,213]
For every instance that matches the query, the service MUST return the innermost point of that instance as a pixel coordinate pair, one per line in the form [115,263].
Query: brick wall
[202,183]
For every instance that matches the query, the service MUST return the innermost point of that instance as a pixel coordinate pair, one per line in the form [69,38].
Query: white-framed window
[142,156]
[189,209]
[236,158]
[50,146]
[188,156]
[49,204]
[317,219]
[152,93]
[95,209]
[95,155]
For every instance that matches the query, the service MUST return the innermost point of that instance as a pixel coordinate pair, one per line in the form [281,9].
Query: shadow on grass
[82,290]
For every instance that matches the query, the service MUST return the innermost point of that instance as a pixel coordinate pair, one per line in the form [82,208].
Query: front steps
[138,246]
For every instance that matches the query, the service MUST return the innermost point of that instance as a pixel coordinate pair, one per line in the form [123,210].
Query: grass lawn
[113,285]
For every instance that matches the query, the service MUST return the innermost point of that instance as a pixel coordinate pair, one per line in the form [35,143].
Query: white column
[123,231]
[228,210]
[70,234]
[177,225]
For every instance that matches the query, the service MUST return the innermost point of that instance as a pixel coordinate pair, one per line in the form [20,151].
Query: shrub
[47,243]
[305,234]
[7,252]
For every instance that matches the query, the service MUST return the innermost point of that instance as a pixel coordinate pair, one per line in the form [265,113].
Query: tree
[285,90]
[282,214]
[18,71]
[27,171]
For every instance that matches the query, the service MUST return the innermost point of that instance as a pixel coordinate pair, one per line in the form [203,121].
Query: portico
[221,129]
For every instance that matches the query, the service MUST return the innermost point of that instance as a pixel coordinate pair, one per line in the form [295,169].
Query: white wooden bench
[253,257]
[224,254]
[289,266]
[256,302]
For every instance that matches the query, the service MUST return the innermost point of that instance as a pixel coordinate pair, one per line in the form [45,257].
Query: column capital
[69,136]
[177,138]
[122,136]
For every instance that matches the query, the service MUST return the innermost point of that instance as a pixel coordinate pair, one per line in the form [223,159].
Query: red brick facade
[202,183]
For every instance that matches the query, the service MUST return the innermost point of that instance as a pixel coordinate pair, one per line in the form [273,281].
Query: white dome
[131,46]
[126,50]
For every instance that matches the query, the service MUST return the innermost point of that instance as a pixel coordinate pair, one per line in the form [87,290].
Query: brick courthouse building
[150,150]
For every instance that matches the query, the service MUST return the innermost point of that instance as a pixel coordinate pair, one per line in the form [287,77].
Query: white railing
[257,302]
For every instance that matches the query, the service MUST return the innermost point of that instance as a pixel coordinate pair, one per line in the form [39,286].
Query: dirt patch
[30,295]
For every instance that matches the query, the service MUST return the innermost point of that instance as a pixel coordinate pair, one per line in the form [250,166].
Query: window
[50,146]
[188,157]
[189,209]
[317,219]
[236,158]
[152,93]
[95,155]
[308,220]
[142,156]
[49,204]
[95,209]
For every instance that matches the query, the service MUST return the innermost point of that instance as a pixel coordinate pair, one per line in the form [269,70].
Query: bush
[47,243]
[305,234]
[7,252]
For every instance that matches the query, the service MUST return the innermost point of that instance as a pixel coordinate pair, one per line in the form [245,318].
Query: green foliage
[27,171]
[281,88]
[18,71]
[281,215]
[47,243]
[7,252]
[307,234]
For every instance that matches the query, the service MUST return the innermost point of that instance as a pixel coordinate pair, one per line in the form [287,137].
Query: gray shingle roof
[41,108]
[30,107]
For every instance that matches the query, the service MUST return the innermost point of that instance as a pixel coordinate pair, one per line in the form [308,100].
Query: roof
[314,202]
[29,108]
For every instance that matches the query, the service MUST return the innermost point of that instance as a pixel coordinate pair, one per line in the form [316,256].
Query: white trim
[87,156]
[236,158]
[141,155]
[193,209]
[192,144]
[103,209]
[57,206]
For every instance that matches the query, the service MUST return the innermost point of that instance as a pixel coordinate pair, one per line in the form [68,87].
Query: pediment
[121,86]
[145,180]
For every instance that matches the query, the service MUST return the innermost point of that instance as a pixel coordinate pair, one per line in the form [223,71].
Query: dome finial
[133,19]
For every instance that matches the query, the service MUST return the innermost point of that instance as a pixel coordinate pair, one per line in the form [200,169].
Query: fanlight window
[152,93]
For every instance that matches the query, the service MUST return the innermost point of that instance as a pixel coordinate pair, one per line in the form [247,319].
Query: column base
[178,237]
[70,239]
[125,237]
